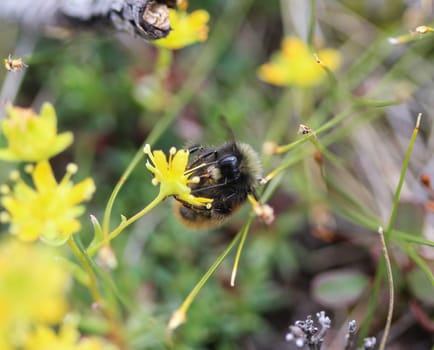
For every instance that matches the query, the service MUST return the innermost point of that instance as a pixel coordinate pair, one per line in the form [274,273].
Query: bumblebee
[227,174]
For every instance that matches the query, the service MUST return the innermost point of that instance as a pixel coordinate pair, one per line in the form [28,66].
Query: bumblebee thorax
[250,164]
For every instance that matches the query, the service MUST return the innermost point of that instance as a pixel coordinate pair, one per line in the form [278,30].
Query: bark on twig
[148,19]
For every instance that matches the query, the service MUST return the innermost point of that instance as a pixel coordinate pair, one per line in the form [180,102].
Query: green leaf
[420,286]
[97,233]
[339,288]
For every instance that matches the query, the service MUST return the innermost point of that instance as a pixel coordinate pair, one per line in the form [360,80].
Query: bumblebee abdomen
[198,218]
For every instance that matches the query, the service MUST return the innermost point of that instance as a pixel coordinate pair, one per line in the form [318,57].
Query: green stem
[411,238]
[391,290]
[162,66]
[354,212]
[401,179]
[227,24]
[195,291]
[334,121]
[124,224]
[311,33]
[164,62]
[381,267]
[291,159]
[323,150]
[116,332]
[420,262]
[292,145]
[84,261]
[244,233]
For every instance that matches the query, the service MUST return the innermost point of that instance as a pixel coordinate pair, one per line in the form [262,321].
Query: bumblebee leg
[194,148]
[200,159]
[254,194]
[210,187]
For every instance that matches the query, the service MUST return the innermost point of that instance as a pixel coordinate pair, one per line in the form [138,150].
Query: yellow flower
[172,175]
[32,138]
[50,210]
[68,338]
[296,65]
[187,29]
[32,287]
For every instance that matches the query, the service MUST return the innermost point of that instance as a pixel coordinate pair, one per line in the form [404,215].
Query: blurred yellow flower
[50,210]
[32,288]
[4,343]
[30,137]
[68,338]
[296,65]
[187,29]
[172,175]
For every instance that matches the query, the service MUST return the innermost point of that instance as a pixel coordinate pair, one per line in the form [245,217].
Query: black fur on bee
[228,174]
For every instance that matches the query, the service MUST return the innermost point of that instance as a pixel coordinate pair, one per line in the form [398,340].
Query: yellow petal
[60,234]
[187,29]
[7,155]
[48,115]
[179,161]
[331,58]
[29,233]
[273,74]
[199,17]
[60,143]
[293,47]
[13,206]
[295,64]
[43,177]
[24,193]
[81,191]
[160,160]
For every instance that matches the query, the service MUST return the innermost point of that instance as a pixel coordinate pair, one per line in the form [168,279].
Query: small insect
[228,174]
[304,130]
[14,64]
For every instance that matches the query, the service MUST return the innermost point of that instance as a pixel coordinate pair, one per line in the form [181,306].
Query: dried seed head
[177,319]
[426,180]
[423,29]
[265,213]
[317,156]
[270,147]
[107,258]
[157,15]
[369,343]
